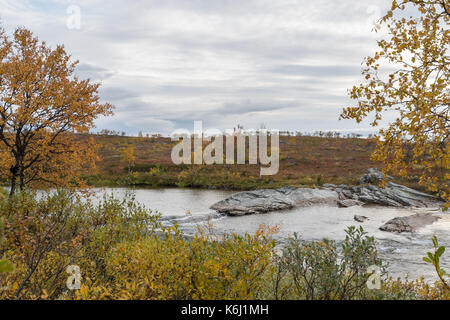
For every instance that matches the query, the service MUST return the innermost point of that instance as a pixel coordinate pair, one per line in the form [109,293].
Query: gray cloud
[328,71]
[165,63]
[84,70]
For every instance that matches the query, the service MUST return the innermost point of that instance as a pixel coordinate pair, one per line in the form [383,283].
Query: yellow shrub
[172,267]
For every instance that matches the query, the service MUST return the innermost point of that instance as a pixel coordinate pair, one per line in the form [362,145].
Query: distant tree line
[322,134]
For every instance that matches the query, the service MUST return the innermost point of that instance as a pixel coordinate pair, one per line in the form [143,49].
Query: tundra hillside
[305,160]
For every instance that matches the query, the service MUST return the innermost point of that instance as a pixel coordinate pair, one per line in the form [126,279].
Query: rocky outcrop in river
[393,195]
[262,201]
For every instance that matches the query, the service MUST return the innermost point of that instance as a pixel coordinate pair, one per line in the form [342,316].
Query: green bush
[434,259]
[319,271]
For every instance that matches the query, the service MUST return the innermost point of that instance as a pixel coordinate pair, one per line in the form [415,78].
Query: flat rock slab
[267,200]
[409,223]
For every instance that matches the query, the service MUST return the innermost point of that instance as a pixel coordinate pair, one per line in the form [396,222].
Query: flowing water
[403,253]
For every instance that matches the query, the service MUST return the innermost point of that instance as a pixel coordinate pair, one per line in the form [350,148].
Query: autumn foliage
[42,106]
[417,92]
[128,156]
[124,252]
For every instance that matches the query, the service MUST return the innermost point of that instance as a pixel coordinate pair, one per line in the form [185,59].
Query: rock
[347,193]
[360,218]
[341,195]
[262,201]
[349,203]
[375,195]
[187,219]
[372,176]
[395,195]
[329,185]
[409,223]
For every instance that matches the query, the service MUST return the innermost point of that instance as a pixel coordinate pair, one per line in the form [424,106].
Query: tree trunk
[13,186]
[21,179]
[14,171]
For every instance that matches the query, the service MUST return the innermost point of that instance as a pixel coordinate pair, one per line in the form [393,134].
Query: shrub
[434,259]
[319,271]
[44,235]
[5,265]
[407,289]
[172,267]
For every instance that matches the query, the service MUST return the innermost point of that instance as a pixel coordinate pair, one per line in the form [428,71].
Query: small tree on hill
[128,156]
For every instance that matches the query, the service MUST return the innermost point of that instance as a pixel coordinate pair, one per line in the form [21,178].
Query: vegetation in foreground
[123,252]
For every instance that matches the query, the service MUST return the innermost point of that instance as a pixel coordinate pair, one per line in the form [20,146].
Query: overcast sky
[165,63]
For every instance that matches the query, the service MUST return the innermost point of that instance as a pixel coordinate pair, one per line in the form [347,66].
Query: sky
[284,64]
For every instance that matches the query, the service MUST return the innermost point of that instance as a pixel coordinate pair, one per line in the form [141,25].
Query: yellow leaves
[171,267]
[44,294]
[422,289]
[417,92]
[42,102]
[128,155]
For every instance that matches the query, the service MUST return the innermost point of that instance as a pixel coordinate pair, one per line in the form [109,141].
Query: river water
[403,252]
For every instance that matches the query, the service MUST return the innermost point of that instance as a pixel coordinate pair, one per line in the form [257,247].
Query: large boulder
[409,223]
[372,176]
[262,201]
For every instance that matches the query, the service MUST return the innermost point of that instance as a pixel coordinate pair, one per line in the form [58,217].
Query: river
[403,252]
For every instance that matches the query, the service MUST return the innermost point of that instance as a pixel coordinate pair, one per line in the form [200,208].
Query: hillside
[304,160]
